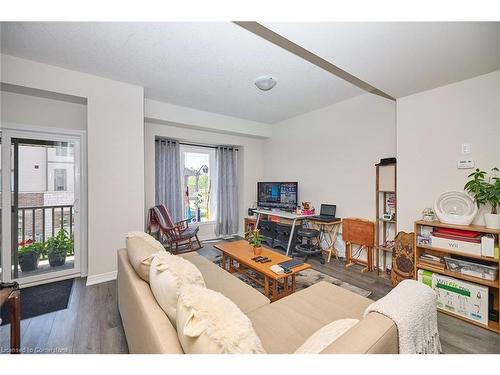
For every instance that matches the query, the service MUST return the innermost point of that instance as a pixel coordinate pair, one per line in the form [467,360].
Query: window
[65,149]
[197,173]
[60,179]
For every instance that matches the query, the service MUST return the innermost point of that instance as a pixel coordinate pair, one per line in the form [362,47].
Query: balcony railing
[41,222]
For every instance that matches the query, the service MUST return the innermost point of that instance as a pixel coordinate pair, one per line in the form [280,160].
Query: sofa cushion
[210,323]
[324,336]
[286,324]
[167,275]
[242,294]
[146,326]
[375,333]
[140,249]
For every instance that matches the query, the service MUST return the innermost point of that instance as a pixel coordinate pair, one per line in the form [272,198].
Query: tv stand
[283,215]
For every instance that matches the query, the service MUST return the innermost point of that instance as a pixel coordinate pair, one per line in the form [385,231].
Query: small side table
[328,233]
[11,296]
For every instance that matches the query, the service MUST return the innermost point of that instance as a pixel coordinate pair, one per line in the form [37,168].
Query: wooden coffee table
[275,285]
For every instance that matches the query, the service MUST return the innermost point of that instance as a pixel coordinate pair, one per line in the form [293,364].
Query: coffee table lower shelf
[274,288]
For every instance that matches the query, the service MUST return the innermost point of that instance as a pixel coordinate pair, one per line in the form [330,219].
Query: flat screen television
[282,195]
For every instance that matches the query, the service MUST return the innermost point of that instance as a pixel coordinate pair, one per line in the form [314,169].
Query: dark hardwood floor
[92,324]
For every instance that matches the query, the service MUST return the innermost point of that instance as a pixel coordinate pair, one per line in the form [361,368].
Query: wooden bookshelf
[384,188]
[452,252]
[493,286]
[476,228]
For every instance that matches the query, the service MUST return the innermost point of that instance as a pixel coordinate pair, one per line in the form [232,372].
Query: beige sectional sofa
[283,326]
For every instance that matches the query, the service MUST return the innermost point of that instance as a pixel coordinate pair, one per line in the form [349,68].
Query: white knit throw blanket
[412,307]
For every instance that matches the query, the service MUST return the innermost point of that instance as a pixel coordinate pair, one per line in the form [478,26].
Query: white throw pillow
[167,275]
[210,323]
[141,248]
[324,336]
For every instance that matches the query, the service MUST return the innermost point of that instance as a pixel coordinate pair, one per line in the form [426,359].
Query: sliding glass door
[42,174]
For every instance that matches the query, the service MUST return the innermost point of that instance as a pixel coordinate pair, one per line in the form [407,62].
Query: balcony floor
[44,267]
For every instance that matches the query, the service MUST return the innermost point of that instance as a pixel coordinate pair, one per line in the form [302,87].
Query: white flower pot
[492,221]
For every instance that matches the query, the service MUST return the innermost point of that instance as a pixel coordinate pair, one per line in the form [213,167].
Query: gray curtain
[168,176]
[226,160]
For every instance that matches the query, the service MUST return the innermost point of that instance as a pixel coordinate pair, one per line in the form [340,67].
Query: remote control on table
[266,260]
[257,259]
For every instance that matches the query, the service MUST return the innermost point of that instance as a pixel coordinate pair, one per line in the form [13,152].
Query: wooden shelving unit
[493,286]
[385,187]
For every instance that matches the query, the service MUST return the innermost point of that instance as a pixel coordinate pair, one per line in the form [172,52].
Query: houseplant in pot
[29,254]
[486,191]
[255,239]
[58,247]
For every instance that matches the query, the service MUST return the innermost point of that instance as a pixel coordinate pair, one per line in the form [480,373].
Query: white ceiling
[402,58]
[207,66]
[212,66]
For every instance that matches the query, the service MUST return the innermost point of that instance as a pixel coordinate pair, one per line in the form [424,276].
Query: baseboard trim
[101,278]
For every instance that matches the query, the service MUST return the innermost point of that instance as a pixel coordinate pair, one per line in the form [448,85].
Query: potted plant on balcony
[58,247]
[486,190]
[255,239]
[29,254]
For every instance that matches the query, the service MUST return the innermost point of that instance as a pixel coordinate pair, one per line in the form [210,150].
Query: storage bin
[472,269]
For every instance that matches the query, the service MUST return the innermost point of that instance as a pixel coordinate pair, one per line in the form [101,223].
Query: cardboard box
[462,298]
[456,245]
[457,296]
[425,277]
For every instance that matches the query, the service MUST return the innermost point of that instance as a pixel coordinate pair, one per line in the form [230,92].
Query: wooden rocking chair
[178,237]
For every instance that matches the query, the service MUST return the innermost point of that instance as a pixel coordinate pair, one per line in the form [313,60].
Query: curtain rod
[207,146]
[198,145]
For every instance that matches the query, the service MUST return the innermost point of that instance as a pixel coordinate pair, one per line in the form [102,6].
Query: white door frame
[9,131]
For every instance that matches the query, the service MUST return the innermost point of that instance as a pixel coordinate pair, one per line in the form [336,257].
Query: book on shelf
[432,261]
[438,265]
[431,257]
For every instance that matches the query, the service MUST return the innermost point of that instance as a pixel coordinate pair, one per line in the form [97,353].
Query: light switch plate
[465,148]
[465,164]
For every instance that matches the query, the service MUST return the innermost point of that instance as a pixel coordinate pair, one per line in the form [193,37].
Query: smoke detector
[265,83]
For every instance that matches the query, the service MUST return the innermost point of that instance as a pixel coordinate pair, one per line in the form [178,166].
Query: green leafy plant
[29,254]
[485,189]
[60,245]
[254,237]
[30,247]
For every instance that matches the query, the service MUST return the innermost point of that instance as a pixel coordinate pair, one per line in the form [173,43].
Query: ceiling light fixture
[265,83]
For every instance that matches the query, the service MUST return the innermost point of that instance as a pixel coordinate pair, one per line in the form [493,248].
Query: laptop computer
[326,213]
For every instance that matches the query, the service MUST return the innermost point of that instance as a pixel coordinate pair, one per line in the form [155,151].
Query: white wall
[432,125]
[332,153]
[115,142]
[33,110]
[250,164]
[203,120]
